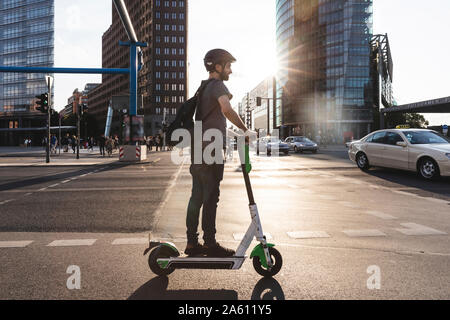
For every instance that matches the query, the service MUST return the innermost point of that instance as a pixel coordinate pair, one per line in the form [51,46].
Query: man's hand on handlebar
[248,134]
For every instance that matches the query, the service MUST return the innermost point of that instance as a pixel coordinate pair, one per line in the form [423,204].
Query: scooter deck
[203,262]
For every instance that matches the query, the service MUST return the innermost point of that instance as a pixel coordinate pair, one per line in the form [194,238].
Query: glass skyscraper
[324,81]
[26,40]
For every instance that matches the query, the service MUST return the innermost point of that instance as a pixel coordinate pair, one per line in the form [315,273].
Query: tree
[416,120]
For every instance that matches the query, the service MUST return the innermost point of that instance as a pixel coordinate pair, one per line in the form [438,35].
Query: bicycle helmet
[217,56]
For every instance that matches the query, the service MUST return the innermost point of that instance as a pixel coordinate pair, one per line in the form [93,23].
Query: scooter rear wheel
[277,260]
[156,254]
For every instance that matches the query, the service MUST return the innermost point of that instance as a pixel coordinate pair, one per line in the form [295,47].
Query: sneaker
[195,250]
[218,251]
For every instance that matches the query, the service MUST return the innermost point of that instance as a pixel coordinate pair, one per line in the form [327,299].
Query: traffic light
[42,103]
[258,101]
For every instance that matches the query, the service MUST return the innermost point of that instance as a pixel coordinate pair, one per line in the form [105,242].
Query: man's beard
[224,76]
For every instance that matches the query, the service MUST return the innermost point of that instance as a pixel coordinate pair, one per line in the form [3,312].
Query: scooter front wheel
[159,253]
[277,260]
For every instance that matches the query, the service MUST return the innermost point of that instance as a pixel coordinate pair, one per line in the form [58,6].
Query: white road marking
[381,215]
[65,181]
[72,243]
[6,201]
[43,189]
[414,229]
[308,234]
[14,244]
[129,241]
[54,185]
[364,233]
[240,236]
[28,194]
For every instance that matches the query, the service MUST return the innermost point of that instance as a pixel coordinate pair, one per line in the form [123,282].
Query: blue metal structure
[135,60]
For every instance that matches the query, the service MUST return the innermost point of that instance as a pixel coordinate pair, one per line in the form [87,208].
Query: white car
[420,150]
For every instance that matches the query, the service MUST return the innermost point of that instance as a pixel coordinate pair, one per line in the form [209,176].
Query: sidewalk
[36,157]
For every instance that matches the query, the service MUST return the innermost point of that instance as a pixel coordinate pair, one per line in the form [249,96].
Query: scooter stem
[246,168]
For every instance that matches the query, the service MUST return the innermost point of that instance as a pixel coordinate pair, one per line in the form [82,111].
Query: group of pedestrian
[108,144]
[27,142]
[154,141]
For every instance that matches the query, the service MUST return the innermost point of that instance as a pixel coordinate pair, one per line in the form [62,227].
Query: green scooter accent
[259,252]
[248,165]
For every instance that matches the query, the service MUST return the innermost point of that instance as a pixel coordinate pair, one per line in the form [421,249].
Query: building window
[158,98]
[174,27]
[181,27]
[174,39]
[166,63]
[174,51]
[166,39]
[174,75]
[174,63]
[166,99]
[181,63]
[181,3]
[158,63]
[174,111]
[158,26]
[158,39]
[174,16]
[166,15]
[166,4]
[181,87]
[181,99]
[181,75]
[181,16]
[158,15]
[181,51]
[158,75]
[174,4]
[166,27]
[158,87]
[158,110]
[158,3]
[166,51]
[174,87]
[166,75]
[181,39]
[158,50]
[166,87]
[174,99]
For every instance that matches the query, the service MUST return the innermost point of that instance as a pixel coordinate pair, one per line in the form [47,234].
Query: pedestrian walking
[101,144]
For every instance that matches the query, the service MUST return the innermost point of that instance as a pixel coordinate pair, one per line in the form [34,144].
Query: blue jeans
[205,192]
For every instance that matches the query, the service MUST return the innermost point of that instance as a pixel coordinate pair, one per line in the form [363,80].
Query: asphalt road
[337,228]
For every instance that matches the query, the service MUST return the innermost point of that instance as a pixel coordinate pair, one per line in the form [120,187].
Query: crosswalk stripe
[381,215]
[72,243]
[414,229]
[14,244]
[364,233]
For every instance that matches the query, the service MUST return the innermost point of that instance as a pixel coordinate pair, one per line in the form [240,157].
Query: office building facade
[162,82]
[324,83]
[26,40]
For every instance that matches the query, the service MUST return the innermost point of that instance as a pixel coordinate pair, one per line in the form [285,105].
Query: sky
[417,32]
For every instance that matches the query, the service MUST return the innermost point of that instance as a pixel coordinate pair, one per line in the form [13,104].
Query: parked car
[421,150]
[301,144]
[270,144]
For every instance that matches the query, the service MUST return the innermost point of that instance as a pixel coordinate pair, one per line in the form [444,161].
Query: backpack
[185,116]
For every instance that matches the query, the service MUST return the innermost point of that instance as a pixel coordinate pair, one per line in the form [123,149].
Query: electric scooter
[165,258]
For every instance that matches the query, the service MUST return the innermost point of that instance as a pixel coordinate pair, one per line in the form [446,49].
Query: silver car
[421,150]
[300,144]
